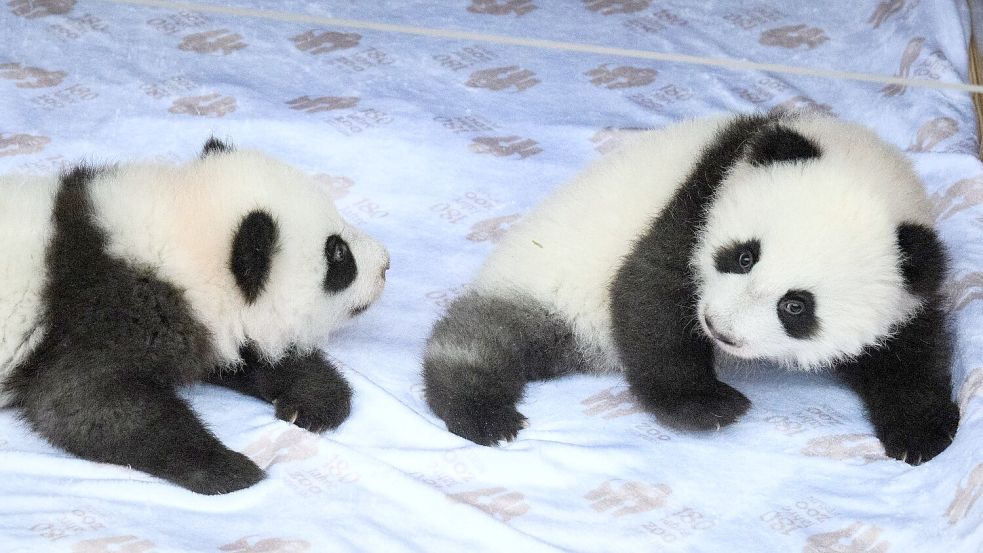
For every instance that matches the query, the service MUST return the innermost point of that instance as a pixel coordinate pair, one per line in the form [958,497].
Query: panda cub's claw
[704,410]
[487,425]
[315,413]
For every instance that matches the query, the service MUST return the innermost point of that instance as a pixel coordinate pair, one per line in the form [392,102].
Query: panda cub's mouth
[356,311]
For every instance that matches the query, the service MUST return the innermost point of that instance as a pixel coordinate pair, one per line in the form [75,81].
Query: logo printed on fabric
[753,16]
[793,36]
[449,471]
[492,229]
[67,96]
[856,538]
[679,525]
[465,57]
[250,544]
[810,418]
[466,124]
[442,299]
[932,132]
[966,290]
[337,187]
[971,388]
[629,498]
[655,22]
[30,77]
[356,62]
[503,78]
[963,195]
[208,105]
[498,502]
[612,7]
[502,7]
[281,446]
[114,544]
[505,146]
[464,206]
[800,515]
[663,98]
[967,494]
[610,405]
[336,472]
[846,446]
[21,144]
[69,524]
[33,9]
[221,41]
[316,42]
[176,22]
[322,103]
[908,58]
[888,9]
[621,77]
[72,28]
[762,90]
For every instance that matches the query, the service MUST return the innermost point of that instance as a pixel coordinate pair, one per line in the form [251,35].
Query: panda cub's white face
[799,264]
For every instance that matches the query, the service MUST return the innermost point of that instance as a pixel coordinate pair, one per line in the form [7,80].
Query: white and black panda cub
[803,241]
[119,283]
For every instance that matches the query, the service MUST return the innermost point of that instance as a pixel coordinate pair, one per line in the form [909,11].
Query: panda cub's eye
[797,313]
[738,258]
[341,264]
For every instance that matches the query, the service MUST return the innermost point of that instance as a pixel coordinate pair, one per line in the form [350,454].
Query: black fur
[252,251]
[803,325]
[515,340]
[215,146]
[906,382]
[777,143]
[342,268]
[306,388]
[100,384]
[669,365]
[728,259]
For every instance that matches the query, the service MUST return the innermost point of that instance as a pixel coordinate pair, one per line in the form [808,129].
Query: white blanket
[436,145]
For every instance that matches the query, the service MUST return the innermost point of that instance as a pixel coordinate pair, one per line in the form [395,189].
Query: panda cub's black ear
[923,258]
[780,144]
[215,146]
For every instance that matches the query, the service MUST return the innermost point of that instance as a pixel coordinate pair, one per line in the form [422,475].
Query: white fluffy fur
[180,221]
[828,226]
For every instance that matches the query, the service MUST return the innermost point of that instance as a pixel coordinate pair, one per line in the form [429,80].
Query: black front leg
[669,365]
[306,388]
[907,389]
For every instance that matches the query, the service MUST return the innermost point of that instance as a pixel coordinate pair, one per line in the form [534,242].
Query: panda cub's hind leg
[102,411]
[480,356]
[306,388]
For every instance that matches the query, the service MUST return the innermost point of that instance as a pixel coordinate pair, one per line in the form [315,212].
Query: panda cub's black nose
[385,268]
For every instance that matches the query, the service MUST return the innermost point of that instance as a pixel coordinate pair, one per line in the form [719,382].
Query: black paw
[919,441]
[486,425]
[216,472]
[707,410]
[316,407]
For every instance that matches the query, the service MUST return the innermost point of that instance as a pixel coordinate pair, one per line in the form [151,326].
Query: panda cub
[119,283]
[806,242]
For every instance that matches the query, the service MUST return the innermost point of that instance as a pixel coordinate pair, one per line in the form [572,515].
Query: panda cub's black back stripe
[780,144]
[253,247]
[342,268]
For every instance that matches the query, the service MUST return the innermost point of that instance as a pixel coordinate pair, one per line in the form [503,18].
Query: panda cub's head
[296,269]
[816,245]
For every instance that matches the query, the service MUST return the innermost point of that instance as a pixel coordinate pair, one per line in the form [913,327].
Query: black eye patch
[797,312]
[341,264]
[738,258]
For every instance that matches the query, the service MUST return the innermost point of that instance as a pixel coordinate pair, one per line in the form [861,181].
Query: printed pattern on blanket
[437,146]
